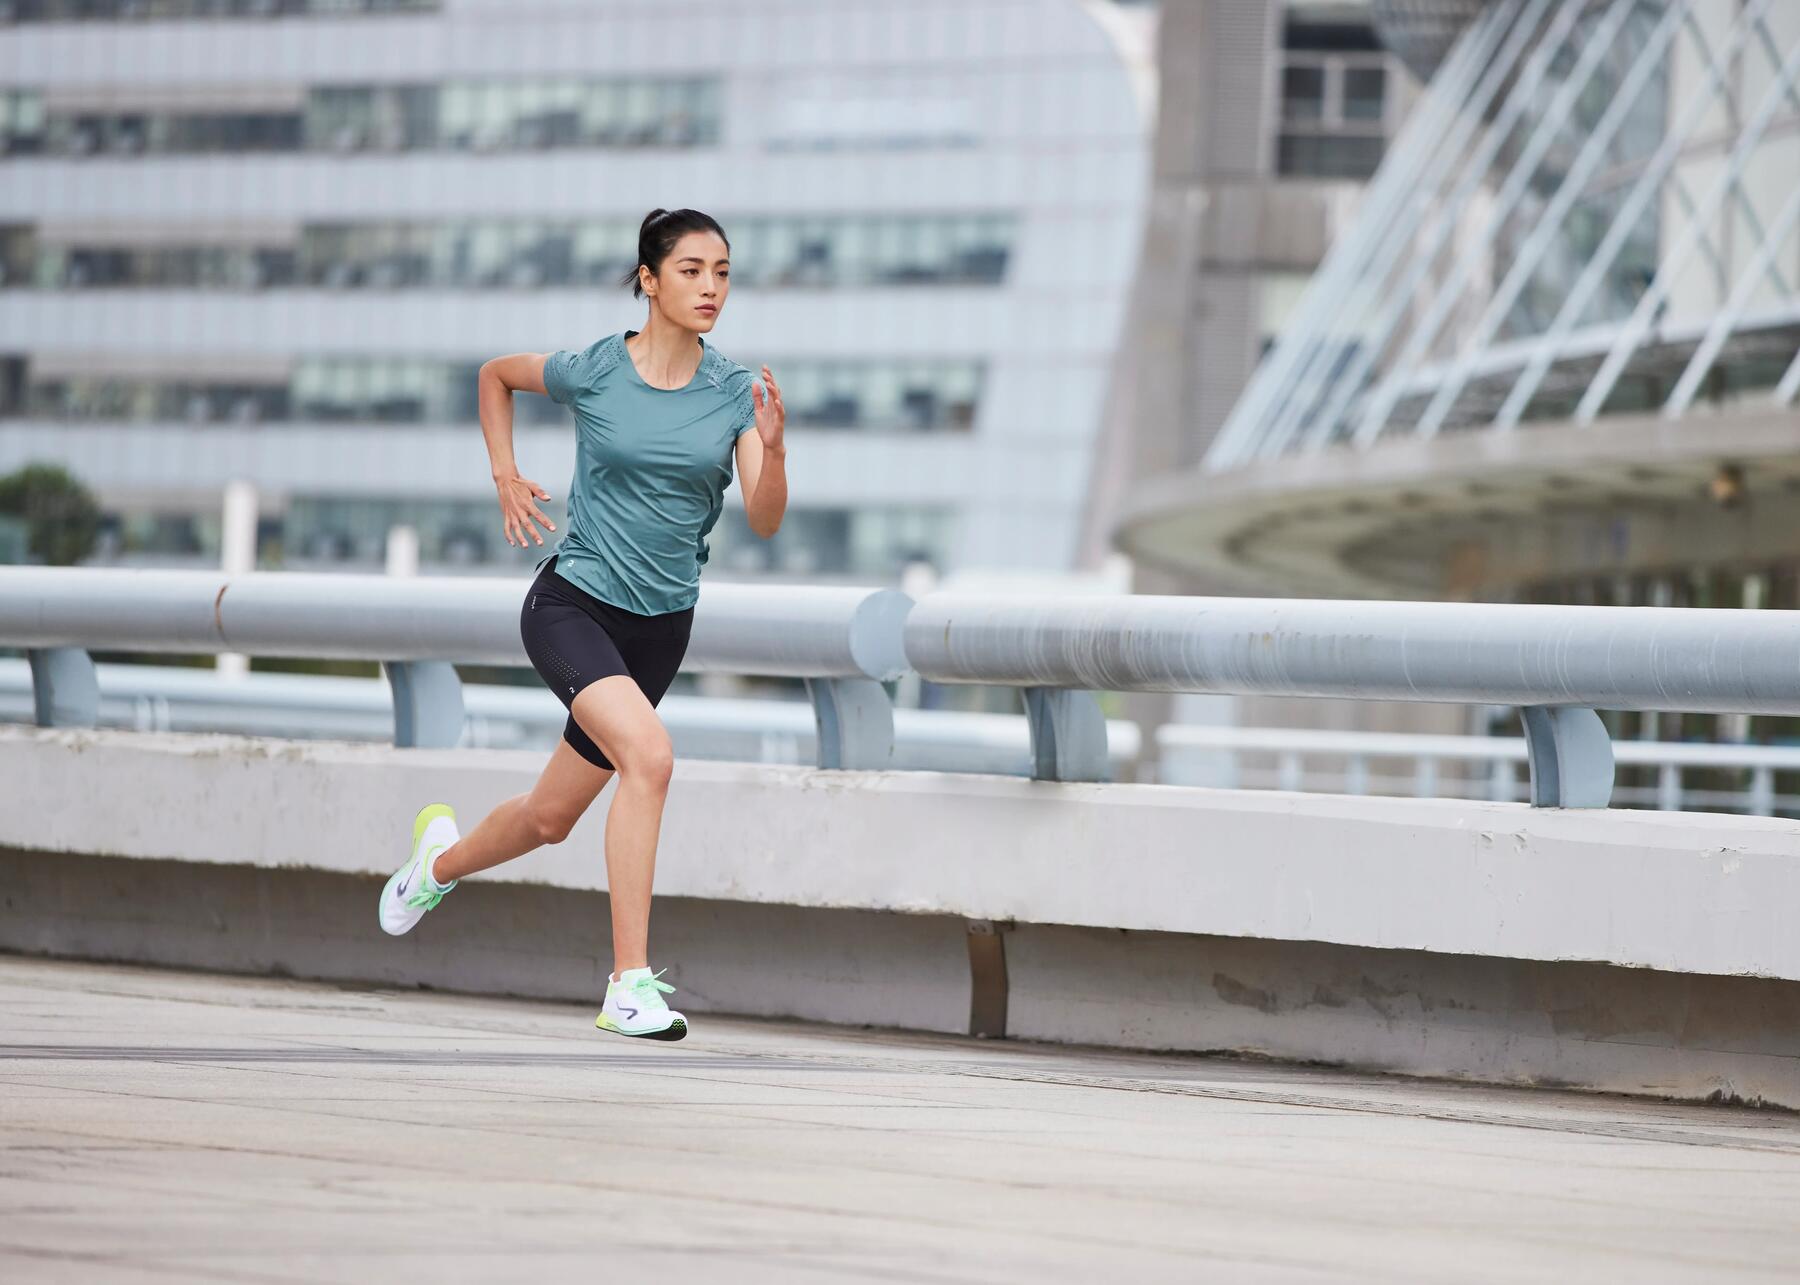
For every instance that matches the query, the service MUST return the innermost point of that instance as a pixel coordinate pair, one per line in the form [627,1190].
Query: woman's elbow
[504,373]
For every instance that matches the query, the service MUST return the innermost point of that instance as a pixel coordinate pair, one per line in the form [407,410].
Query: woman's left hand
[771,417]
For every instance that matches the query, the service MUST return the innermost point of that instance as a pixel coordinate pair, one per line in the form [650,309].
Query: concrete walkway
[172,1126]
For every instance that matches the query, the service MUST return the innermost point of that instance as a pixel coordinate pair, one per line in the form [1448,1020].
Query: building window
[513,115]
[922,396]
[12,383]
[162,10]
[18,254]
[1335,109]
[21,122]
[822,253]
[1345,156]
[872,541]
[113,267]
[333,532]
[320,531]
[870,396]
[1302,93]
[1365,93]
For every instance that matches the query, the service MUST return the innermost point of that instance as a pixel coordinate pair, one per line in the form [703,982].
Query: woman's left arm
[762,460]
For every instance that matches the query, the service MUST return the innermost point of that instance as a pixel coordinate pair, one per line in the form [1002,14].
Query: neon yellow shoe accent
[427,815]
[430,891]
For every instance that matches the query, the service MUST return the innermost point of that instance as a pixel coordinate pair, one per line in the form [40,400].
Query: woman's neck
[665,354]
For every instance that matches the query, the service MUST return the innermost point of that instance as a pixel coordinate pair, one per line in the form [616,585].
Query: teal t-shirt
[651,468]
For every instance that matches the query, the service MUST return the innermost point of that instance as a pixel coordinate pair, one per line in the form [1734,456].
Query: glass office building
[273,241]
[1557,355]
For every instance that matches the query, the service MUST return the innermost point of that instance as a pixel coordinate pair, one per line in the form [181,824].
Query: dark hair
[657,238]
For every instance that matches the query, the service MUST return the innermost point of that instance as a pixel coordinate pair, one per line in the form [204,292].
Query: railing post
[65,692]
[1571,757]
[428,703]
[1762,791]
[1068,735]
[855,722]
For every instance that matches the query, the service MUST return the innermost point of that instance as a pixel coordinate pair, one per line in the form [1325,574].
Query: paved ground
[160,1126]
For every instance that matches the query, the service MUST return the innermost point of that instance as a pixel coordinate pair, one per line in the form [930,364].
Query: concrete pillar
[1188,341]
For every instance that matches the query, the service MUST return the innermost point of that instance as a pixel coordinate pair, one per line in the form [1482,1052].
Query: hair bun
[652,217]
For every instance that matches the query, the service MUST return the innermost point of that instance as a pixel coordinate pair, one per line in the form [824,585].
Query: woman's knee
[648,761]
[548,823]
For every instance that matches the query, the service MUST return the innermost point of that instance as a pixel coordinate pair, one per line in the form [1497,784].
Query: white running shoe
[634,1006]
[412,891]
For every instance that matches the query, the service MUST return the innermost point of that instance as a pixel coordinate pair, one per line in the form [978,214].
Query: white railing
[844,642]
[159,698]
[1557,664]
[1352,763]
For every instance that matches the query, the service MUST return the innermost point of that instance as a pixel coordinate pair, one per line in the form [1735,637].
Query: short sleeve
[559,370]
[570,372]
[743,407]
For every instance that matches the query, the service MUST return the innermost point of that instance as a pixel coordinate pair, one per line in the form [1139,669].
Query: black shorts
[574,639]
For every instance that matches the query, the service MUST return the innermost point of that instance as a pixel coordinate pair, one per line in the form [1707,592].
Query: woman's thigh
[616,717]
[621,716]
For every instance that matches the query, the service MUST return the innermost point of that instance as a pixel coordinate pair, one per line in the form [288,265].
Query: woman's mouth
[709,309]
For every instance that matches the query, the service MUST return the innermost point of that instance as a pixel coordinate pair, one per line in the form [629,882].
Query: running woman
[659,416]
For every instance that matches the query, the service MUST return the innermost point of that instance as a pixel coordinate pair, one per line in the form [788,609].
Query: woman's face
[691,286]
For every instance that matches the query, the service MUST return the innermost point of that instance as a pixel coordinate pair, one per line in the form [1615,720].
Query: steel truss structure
[1593,210]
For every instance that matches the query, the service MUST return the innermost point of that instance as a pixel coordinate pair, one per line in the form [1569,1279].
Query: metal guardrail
[1558,664]
[163,698]
[1195,754]
[843,642]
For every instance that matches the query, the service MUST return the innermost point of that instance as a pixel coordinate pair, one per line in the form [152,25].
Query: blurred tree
[61,516]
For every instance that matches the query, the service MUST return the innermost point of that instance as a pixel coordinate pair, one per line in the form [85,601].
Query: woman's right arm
[496,383]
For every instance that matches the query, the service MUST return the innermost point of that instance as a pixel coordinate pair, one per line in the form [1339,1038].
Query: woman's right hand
[518,509]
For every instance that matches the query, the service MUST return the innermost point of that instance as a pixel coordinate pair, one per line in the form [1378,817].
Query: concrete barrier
[1644,952]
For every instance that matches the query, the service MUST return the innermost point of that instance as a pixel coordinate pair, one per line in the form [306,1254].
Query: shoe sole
[676,1030]
[427,815]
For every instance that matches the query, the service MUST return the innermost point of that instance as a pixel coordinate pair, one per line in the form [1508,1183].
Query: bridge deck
[162,1125]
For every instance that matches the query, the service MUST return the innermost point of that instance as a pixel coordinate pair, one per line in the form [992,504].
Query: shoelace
[649,985]
[427,896]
